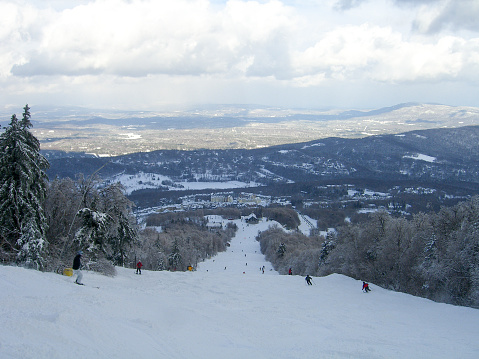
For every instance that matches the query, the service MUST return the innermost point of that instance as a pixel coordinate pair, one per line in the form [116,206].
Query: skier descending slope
[366,287]
[77,268]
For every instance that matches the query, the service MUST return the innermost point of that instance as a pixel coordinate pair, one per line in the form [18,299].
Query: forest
[433,255]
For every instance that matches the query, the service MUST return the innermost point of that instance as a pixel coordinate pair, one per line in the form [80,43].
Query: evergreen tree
[125,236]
[122,225]
[93,231]
[22,192]
[281,249]
[326,248]
[161,263]
[175,259]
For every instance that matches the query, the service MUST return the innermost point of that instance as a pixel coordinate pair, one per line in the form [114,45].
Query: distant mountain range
[113,133]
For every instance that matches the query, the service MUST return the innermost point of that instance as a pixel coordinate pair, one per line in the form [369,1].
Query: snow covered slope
[218,313]
[244,254]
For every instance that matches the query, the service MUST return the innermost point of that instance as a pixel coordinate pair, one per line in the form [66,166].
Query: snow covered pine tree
[23,184]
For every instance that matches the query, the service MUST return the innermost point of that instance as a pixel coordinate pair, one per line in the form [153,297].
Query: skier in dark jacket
[308,280]
[138,267]
[77,267]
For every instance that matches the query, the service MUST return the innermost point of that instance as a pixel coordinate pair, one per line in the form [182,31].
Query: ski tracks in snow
[244,255]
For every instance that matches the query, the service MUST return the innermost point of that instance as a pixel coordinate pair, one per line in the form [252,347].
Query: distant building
[249,198]
[251,219]
[220,198]
[213,225]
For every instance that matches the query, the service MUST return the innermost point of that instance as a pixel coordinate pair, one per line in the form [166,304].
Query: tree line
[432,255]
[184,240]
[44,223]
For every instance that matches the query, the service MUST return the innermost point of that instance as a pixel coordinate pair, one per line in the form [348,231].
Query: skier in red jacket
[366,287]
[138,267]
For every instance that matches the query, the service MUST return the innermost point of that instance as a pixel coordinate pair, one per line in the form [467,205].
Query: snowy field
[143,180]
[237,312]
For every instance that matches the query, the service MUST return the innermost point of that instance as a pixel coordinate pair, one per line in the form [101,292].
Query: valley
[405,158]
[113,133]
[404,173]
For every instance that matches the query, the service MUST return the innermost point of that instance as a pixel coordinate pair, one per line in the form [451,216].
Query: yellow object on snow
[68,272]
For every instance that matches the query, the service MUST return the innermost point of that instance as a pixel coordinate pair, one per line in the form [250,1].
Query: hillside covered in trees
[432,255]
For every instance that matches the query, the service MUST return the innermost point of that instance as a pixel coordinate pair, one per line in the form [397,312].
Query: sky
[155,54]
[235,313]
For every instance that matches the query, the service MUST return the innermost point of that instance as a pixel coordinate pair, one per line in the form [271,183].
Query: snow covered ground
[143,180]
[237,312]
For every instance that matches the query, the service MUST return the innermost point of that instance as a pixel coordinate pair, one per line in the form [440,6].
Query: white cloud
[139,38]
[75,49]
[360,52]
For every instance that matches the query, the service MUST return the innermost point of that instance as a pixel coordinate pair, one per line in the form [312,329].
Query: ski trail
[244,253]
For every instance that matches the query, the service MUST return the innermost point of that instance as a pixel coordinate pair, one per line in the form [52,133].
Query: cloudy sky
[148,54]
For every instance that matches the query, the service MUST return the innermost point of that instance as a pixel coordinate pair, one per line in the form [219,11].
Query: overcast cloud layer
[146,54]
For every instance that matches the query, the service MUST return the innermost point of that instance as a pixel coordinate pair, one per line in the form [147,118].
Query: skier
[290,272]
[138,267]
[308,280]
[77,267]
[366,287]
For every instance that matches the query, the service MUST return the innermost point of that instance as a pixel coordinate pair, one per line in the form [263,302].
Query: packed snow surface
[226,309]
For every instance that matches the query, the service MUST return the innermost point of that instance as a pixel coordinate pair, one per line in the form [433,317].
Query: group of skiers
[77,266]
[309,281]
[77,271]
